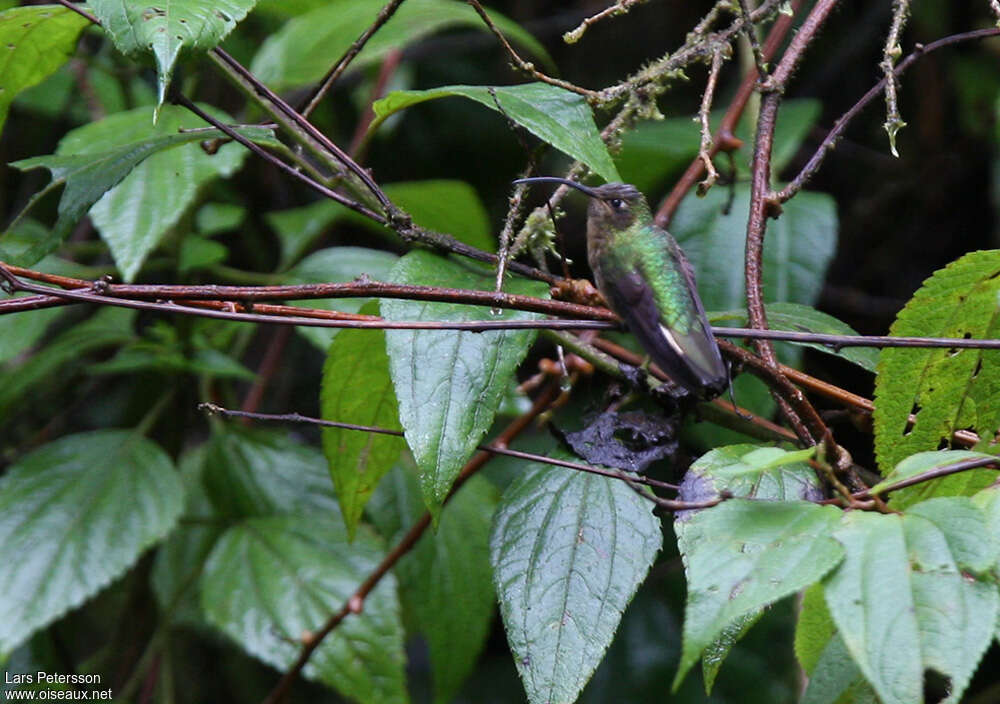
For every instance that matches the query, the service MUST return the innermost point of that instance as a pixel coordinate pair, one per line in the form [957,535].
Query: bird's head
[614,206]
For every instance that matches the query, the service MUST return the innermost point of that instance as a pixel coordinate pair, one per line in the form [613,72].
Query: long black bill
[555,179]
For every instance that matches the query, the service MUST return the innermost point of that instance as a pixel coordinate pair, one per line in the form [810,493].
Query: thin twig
[620,7]
[704,115]
[344,61]
[935,473]
[355,603]
[890,54]
[530,456]
[725,139]
[271,159]
[751,34]
[526,66]
[833,136]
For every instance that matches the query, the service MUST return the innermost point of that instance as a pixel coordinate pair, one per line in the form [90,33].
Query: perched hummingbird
[646,279]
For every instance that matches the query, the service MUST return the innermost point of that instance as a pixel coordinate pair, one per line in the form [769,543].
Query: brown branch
[526,66]
[352,51]
[833,136]
[620,7]
[355,604]
[271,159]
[761,206]
[725,139]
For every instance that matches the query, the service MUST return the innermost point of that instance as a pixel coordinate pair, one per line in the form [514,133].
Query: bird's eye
[616,203]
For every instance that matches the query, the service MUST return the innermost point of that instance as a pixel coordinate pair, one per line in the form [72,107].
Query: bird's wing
[677,335]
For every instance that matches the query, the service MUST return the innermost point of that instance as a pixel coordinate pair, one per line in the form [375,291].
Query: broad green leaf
[946,390]
[449,382]
[445,582]
[655,150]
[357,389]
[337,265]
[136,214]
[436,204]
[960,484]
[569,550]
[748,471]
[797,250]
[751,471]
[871,600]
[907,596]
[258,473]
[97,168]
[107,327]
[305,48]
[743,555]
[554,115]
[795,317]
[75,514]
[813,629]
[37,41]
[296,570]
[164,30]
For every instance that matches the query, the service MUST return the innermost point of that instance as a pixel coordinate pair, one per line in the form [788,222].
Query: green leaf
[835,674]
[107,327]
[814,628]
[751,471]
[445,582]
[959,484]
[37,40]
[743,555]
[88,175]
[134,216]
[569,550]
[449,383]
[164,30]
[795,317]
[947,390]
[554,115]
[75,514]
[906,596]
[337,265]
[296,571]
[305,48]
[357,389]
[748,471]
[258,473]
[797,250]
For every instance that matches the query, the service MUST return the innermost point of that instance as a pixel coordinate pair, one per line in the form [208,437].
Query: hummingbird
[644,276]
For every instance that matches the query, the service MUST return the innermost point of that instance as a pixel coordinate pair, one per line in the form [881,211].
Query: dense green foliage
[180,554]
